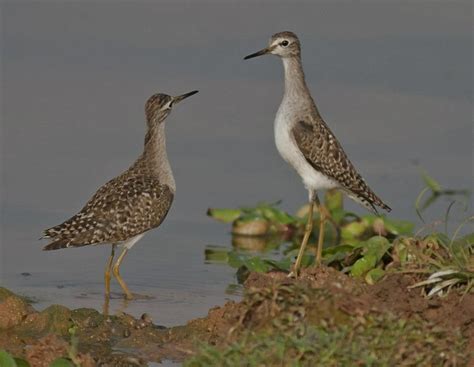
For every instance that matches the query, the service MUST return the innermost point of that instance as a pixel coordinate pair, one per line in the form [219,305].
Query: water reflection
[123,302]
[257,243]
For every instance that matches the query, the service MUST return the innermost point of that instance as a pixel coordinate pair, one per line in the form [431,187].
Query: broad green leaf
[363,265]
[283,217]
[307,260]
[378,246]
[249,217]
[251,263]
[398,227]
[273,214]
[6,360]
[235,260]
[61,362]
[374,249]
[224,215]
[338,215]
[369,219]
[284,264]
[374,275]
[333,200]
[257,264]
[353,230]
[336,253]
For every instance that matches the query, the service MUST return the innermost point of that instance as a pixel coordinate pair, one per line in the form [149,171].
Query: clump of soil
[326,310]
[391,294]
[320,310]
[120,340]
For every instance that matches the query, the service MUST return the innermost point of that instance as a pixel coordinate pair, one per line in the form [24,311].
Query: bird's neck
[296,93]
[155,158]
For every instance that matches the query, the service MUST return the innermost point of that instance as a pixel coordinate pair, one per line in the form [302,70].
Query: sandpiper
[129,205]
[305,141]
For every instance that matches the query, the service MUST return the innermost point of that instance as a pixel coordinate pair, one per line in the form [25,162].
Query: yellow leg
[116,270]
[108,269]
[322,220]
[307,233]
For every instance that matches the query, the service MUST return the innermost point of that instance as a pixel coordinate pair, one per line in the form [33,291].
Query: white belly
[286,145]
[128,244]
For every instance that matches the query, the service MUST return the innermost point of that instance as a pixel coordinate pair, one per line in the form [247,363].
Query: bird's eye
[284,43]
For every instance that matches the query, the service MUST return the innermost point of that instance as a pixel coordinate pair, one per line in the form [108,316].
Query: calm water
[394,82]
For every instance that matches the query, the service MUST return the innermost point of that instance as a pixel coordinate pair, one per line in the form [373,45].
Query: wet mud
[122,340]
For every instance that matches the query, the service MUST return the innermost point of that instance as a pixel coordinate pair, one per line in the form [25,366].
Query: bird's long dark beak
[258,53]
[178,99]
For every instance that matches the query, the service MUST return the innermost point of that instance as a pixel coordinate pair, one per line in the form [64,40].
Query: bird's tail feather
[57,244]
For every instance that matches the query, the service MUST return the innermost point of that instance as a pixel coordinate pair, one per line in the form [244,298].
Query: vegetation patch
[297,325]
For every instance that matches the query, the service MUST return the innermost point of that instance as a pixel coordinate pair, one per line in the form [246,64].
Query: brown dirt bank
[122,340]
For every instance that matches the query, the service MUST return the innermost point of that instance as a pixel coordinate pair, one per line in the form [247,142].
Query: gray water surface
[392,79]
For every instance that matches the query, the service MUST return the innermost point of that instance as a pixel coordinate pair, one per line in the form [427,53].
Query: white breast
[288,149]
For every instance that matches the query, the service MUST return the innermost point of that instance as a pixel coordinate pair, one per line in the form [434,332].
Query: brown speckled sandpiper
[129,205]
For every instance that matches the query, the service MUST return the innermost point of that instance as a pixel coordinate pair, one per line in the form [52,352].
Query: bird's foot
[128,296]
[293,274]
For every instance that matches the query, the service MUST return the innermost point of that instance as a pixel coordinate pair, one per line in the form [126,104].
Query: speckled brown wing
[324,153]
[124,207]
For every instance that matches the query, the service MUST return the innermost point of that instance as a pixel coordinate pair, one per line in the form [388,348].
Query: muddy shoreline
[122,340]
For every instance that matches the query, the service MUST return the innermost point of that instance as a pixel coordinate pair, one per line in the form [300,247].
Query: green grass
[294,325]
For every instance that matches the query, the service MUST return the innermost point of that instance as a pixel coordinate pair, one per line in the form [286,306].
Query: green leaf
[378,245]
[283,264]
[400,249]
[251,263]
[61,362]
[283,217]
[6,360]
[333,200]
[235,260]
[273,214]
[363,265]
[353,230]
[224,215]
[374,249]
[374,275]
[216,254]
[431,182]
[338,215]
[257,264]
[336,253]
[20,362]
[399,227]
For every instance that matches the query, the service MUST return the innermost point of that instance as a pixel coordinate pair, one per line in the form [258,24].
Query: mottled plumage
[304,140]
[324,153]
[124,207]
[131,203]
[127,206]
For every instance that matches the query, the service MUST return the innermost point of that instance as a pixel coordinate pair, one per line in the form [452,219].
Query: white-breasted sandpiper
[305,141]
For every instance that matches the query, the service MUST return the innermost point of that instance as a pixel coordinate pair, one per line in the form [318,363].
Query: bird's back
[124,207]
[325,154]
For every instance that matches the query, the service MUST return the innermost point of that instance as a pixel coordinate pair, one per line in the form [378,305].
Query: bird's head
[159,106]
[283,44]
